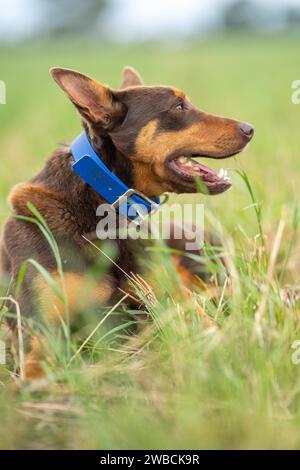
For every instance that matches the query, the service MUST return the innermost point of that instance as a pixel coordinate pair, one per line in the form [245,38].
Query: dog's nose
[247,130]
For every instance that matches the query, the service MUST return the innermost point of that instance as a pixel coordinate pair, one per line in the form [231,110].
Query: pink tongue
[213,182]
[196,169]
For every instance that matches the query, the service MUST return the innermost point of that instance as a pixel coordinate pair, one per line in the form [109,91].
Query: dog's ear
[96,103]
[131,78]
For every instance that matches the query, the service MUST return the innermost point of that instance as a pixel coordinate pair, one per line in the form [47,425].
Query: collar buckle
[132,192]
[89,166]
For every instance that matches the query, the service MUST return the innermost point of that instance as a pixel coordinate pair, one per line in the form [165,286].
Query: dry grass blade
[259,314]
[53,407]
[106,256]
[136,279]
[20,336]
[135,299]
[145,288]
[219,308]
[97,327]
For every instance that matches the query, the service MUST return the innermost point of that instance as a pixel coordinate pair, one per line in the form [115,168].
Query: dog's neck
[111,156]
[82,201]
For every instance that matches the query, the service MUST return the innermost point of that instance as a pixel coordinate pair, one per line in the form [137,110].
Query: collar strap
[91,169]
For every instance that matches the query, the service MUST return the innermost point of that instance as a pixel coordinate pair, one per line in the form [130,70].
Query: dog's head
[158,130]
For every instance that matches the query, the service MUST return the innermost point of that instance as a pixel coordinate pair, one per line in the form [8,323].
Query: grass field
[174,385]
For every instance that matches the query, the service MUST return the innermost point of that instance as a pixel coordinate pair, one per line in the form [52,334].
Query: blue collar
[91,169]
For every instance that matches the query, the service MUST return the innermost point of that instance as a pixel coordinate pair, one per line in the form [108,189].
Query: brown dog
[147,135]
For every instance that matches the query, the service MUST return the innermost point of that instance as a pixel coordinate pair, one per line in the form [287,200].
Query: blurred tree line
[69,17]
[89,17]
[239,15]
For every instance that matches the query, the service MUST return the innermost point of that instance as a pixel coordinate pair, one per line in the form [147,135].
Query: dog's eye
[179,107]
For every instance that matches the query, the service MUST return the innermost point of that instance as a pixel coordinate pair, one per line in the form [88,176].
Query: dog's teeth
[182,159]
[223,174]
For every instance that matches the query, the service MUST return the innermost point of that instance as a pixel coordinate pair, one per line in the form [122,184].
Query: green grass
[173,385]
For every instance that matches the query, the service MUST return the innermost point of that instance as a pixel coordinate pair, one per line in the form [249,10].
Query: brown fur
[136,129]
[81,291]
[39,353]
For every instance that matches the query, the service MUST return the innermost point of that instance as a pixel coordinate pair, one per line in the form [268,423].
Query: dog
[147,137]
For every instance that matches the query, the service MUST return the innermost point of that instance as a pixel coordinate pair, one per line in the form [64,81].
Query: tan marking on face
[211,135]
[179,93]
[147,182]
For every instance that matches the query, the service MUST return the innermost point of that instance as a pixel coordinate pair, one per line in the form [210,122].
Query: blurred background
[180,389]
[133,20]
[232,57]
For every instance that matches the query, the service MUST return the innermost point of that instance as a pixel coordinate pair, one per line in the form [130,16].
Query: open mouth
[190,171]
